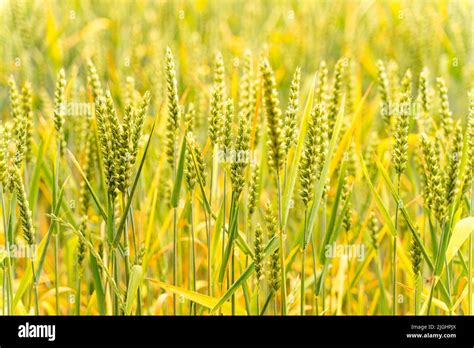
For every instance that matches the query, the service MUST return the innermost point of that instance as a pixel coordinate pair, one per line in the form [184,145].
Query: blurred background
[125,37]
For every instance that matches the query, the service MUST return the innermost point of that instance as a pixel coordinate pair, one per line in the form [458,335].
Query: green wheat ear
[138,122]
[115,148]
[320,93]
[416,257]
[227,125]
[345,197]
[190,118]
[258,253]
[272,229]
[435,188]
[190,174]
[292,111]
[19,122]
[470,145]
[173,107]
[25,212]
[27,108]
[276,153]
[373,227]
[444,112]
[424,101]
[335,96]
[247,86]
[238,165]
[308,166]
[189,168]
[93,81]
[59,108]
[81,245]
[219,74]
[400,150]
[351,88]
[215,116]
[130,92]
[383,87]
[3,157]
[393,80]
[15,104]
[253,190]
[452,179]
[106,146]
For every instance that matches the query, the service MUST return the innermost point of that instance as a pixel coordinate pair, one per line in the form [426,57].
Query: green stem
[470,310]
[135,249]
[208,225]
[471,241]
[437,268]
[224,213]
[56,266]
[378,269]
[208,242]
[418,289]
[78,292]
[35,281]
[175,257]
[9,273]
[126,248]
[175,237]
[267,302]
[57,226]
[232,278]
[193,253]
[111,231]
[394,255]
[282,250]
[315,274]
[303,259]
[258,297]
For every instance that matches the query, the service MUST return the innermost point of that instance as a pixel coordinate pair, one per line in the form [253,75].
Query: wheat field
[236,158]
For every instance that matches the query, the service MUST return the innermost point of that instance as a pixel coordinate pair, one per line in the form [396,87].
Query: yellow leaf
[204,300]
[461,232]
[134,283]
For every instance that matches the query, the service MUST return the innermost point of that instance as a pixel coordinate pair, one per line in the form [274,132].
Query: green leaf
[410,224]
[206,203]
[288,192]
[99,288]
[378,201]
[318,190]
[35,180]
[234,213]
[39,267]
[328,237]
[269,248]
[433,267]
[88,184]
[134,186]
